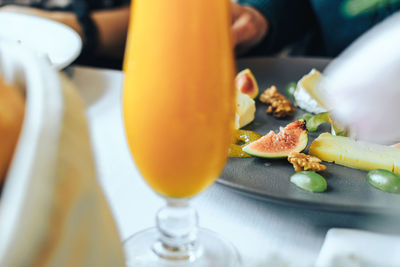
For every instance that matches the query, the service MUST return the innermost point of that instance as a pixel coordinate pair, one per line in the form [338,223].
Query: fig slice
[293,138]
[246,83]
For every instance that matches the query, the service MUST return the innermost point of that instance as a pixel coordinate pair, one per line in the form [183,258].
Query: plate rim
[353,209]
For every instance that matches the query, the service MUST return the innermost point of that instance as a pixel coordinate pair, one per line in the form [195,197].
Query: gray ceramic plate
[269,179]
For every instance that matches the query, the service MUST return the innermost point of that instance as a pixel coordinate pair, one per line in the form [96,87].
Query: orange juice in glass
[178,106]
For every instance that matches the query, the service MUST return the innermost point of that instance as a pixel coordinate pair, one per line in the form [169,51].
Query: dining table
[265,233]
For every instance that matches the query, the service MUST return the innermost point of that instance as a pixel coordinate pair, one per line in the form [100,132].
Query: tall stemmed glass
[178,106]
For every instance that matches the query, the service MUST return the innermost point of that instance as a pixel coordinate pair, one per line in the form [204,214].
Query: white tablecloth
[263,232]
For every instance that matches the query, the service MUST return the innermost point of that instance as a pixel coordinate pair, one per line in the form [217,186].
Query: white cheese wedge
[308,94]
[245,109]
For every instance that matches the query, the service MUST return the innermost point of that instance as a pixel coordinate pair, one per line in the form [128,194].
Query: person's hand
[249,27]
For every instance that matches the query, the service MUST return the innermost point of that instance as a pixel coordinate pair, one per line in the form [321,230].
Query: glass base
[145,249]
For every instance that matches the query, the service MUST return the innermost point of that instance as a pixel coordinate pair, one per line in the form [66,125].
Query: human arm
[249,27]
[286,21]
[112,25]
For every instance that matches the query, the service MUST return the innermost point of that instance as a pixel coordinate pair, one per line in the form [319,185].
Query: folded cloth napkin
[355,248]
[53,212]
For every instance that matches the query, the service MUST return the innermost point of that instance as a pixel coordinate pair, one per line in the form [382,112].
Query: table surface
[263,232]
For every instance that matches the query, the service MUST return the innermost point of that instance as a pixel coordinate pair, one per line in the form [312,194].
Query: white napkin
[355,248]
[53,212]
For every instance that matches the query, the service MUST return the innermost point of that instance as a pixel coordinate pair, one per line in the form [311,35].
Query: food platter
[268,179]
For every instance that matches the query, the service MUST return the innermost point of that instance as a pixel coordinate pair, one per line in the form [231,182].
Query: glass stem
[177,225]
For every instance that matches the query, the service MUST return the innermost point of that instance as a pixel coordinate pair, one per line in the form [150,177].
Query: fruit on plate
[292,138]
[308,93]
[315,121]
[290,88]
[241,139]
[336,128]
[309,181]
[12,108]
[246,83]
[245,109]
[355,154]
[384,180]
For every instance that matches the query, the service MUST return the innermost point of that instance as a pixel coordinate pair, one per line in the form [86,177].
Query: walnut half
[305,162]
[279,106]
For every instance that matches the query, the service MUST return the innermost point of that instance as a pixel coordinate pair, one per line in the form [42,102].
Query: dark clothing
[317,27]
[65,5]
